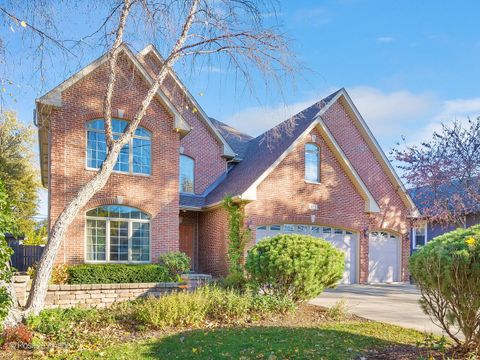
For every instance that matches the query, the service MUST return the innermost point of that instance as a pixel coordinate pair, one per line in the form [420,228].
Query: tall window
[187,174]
[134,158]
[312,163]
[419,236]
[117,234]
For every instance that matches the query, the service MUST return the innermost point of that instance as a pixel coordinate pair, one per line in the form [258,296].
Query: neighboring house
[425,230]
[320,173]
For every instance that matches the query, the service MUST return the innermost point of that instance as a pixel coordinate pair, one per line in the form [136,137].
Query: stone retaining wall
[103,295]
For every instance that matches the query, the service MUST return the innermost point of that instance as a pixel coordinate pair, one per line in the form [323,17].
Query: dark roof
[264,150]
[237,140]
[191,200]
[453,191]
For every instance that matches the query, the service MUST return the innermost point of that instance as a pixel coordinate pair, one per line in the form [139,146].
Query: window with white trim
[312,163]
[419,236]
[134,158]
[187,174]
[117,233]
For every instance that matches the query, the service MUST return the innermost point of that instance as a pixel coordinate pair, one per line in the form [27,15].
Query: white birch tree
[231,31]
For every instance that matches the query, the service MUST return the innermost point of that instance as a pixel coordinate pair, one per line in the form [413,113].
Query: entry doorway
[187,241]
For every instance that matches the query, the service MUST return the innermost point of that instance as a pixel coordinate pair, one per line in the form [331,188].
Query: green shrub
[235,280]
[447,271]
[208,303]
[175,262]
[294,266]
[60,324]
[173,310]
[117,273]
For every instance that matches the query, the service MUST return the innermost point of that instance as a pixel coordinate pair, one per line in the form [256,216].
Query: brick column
[405,239]
[363,268]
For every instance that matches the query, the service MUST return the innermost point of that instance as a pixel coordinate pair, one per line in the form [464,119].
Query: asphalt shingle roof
[452,191]
[237,140]
[262,152]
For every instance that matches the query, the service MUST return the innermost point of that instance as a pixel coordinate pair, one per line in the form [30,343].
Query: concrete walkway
[390,303]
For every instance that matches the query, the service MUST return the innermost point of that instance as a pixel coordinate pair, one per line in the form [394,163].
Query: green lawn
[335,340]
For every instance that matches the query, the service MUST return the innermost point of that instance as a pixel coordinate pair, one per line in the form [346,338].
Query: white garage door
[343,240]
[383,257]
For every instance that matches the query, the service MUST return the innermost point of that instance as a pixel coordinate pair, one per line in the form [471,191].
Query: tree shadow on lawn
[263,343]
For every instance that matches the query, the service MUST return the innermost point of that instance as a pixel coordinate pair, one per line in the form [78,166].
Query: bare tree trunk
[256,46]
[36,300]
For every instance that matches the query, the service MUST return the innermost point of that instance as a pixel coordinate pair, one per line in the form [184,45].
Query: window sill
[121,172]
[312,182]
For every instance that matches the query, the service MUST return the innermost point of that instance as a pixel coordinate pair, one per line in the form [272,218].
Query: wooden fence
[25,256]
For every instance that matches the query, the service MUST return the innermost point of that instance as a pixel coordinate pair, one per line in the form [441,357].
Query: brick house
[320,173]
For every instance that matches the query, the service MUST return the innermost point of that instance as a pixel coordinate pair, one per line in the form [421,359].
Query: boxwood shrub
[294,266]
[117,273]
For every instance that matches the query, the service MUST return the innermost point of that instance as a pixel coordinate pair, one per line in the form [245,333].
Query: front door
[187,232]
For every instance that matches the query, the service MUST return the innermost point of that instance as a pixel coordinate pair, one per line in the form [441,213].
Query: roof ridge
[322,101]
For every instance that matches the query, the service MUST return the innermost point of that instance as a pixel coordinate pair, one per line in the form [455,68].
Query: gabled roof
[266,151]
[53,99]
[227,150]
[54,96]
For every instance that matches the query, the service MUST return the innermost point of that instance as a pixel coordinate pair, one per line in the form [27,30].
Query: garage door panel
[342,240]
[384,258]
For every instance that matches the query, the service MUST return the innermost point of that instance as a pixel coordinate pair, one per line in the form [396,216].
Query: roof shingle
[263,150]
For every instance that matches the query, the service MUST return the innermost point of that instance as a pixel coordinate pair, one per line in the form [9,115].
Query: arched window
[117,234]
[312,163]
[134,158]
[187,174]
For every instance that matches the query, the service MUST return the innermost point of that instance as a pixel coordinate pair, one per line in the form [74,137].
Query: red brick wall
[200,143]
[212,242]
[283,197]
[156,194]
[393,214]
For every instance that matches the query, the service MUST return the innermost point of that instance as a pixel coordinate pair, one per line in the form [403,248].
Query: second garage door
[383,258]
[341,239]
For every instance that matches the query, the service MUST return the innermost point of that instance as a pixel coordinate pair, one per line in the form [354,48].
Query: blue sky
[408,65]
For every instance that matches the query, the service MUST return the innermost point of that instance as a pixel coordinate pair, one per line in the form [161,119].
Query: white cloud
[449,111]
[257,119]
[392,113]
[385,39]
[389,114]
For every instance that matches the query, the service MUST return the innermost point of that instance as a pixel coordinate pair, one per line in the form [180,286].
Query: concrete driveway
[390,303]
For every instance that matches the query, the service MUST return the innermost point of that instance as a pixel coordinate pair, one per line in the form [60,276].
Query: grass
[325,340]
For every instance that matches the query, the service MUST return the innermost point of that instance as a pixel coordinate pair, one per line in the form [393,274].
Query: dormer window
[312,163]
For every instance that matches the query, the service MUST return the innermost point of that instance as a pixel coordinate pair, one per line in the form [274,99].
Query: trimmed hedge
[117,273]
